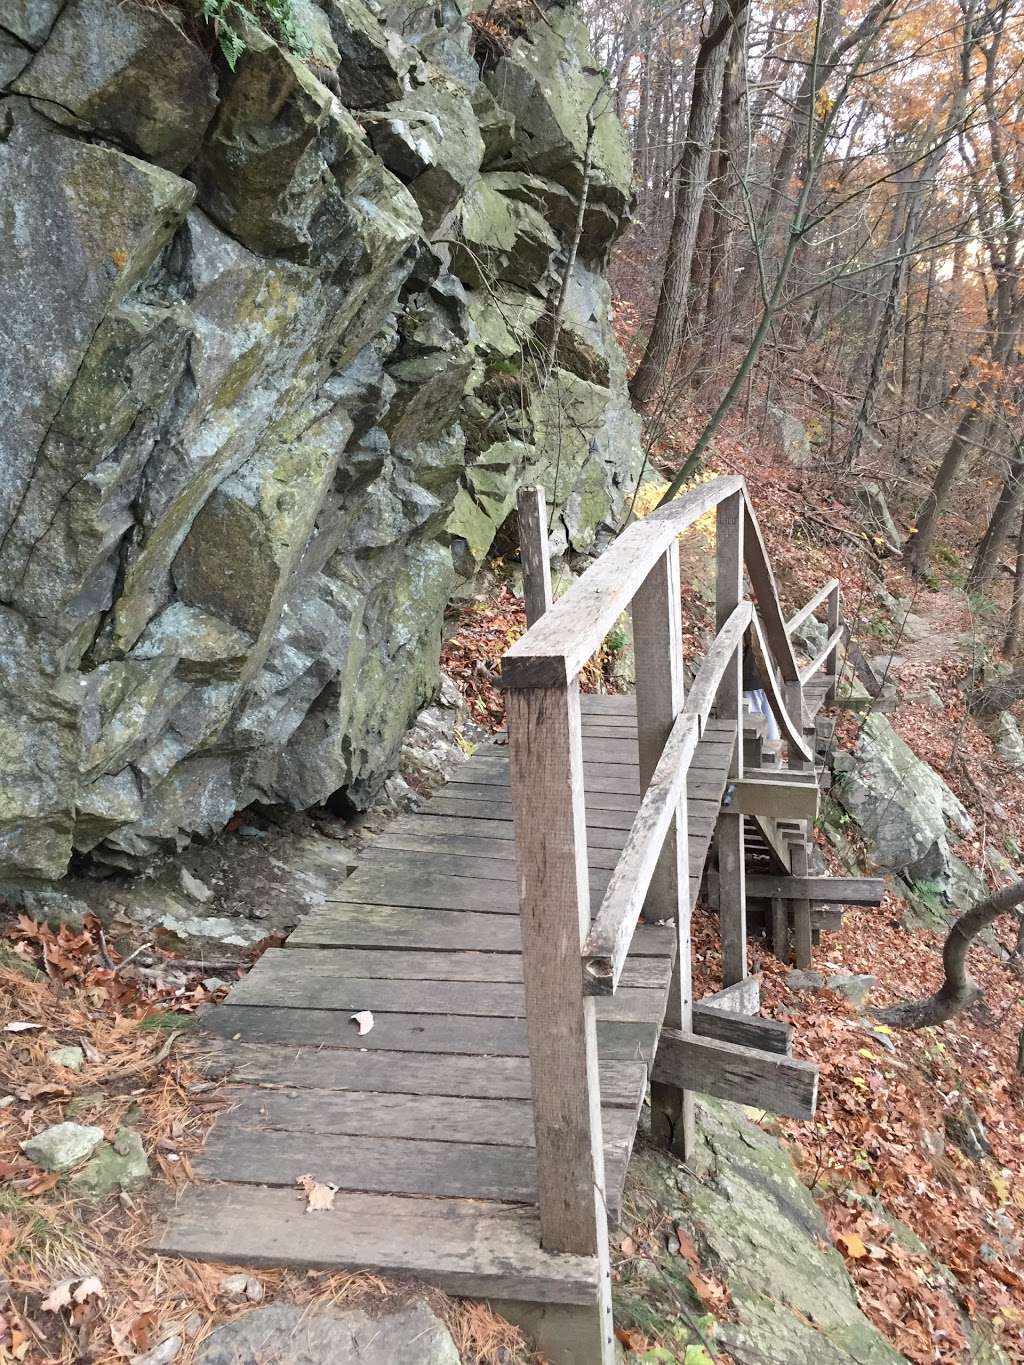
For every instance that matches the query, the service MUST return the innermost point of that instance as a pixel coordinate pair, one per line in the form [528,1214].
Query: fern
[275,17]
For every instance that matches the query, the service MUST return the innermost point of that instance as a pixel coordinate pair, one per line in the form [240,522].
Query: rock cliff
[274,347]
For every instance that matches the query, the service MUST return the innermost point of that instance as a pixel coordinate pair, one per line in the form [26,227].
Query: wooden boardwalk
[523,946]
[435,1099]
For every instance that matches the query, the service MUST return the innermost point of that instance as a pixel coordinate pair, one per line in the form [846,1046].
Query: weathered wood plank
[314,964]
[613,809]
[803,932]
[608,941]
[830,648]
[447,864]
[487,999]
[464,1247]
[835,890]
[798,618]
[788,710]
[757,796]
[768,1035]
[766,594]
[368,1113]
[533,551]
[610,836]
[547,784]
[354,925]
[553,651]
[779,1084]
[410,1073]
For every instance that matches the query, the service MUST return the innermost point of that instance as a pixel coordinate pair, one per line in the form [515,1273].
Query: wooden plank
[802,929]
[607,703]
[766,594]
[755,796]
[728,692]
[353,925]
[613,810]
[608,941]
[623,1083]
[545,750]
[313,964]
[448,864]
[836,890]
[488,999]
[706,688]
[764,1080]
[465,1035]
[779,928]
[597,777]
[597,832]
[797,620]
[552,652]
[725,1026]
[788,710]
[462,1246]
[367,1113]
[533,551]
[743,997]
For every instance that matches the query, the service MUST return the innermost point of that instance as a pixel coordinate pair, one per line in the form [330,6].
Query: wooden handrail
[766,594]
[553,651]
[832,643]
[704,688]
[604,953]
[812,606]
[607,945]
[790,730]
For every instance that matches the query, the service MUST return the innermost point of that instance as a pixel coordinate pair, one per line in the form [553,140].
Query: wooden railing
[566,961]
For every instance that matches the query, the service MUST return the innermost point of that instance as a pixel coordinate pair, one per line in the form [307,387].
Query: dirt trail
[937,627]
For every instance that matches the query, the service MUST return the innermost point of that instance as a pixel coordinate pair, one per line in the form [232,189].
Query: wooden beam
[545,757]
[835,890]
[728,1071]
[533,551]
[788,710]
[732,910]
[607,943]
[834,629]
[766,594]
[803,938]
[556,648]
[812,606]
[756,796]
[658,653]
[768,1035]
[706,687]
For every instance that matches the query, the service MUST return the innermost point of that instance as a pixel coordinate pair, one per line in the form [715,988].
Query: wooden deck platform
[425,1123]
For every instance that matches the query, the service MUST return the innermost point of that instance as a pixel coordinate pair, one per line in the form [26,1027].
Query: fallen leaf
[90,1288]
[59,1297]
[627,1246]
[686,1248]
[19,1026]
[853,1245]
[364,1019]
[319,1197]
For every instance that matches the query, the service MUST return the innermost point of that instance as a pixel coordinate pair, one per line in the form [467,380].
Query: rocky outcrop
[270,375]
[908,817]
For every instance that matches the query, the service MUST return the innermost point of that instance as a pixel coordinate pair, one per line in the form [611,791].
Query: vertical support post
[658,652]
[546,764]
[533,550]
[732,911]
[831,664]
[802,935]
[780,928]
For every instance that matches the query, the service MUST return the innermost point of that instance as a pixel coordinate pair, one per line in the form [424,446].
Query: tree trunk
[986,560]
[958,989]
[1015,624]
[660,353]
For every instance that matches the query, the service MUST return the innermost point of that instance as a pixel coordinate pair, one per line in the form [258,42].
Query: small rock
[254,1290]
[297,1334]
[168,1350]
[71,1057]
[120,1165]
[63,1145]
[856,988]
[214,983]
[193,1323]
[966,1131]
[233,1286]
[799,980]
[194,888]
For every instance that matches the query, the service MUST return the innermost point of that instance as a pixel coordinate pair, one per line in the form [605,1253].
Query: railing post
[658,653]
[533,551]
[732,907]
[832,659]
[546,764]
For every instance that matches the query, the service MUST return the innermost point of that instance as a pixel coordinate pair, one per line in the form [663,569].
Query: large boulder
[297,1334]
[907,814]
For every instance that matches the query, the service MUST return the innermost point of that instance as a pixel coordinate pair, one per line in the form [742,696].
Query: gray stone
[908,815]
[792,437]
[194,888]
[800,980]
[1009,742]
[70,1057]
[63,1145]
[128,72]
[856,988]
[31,20]
[120,1165]
[298,1334]
[877,518]
[163,1353]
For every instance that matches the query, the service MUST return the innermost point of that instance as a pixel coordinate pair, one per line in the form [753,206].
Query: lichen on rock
[274,364]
